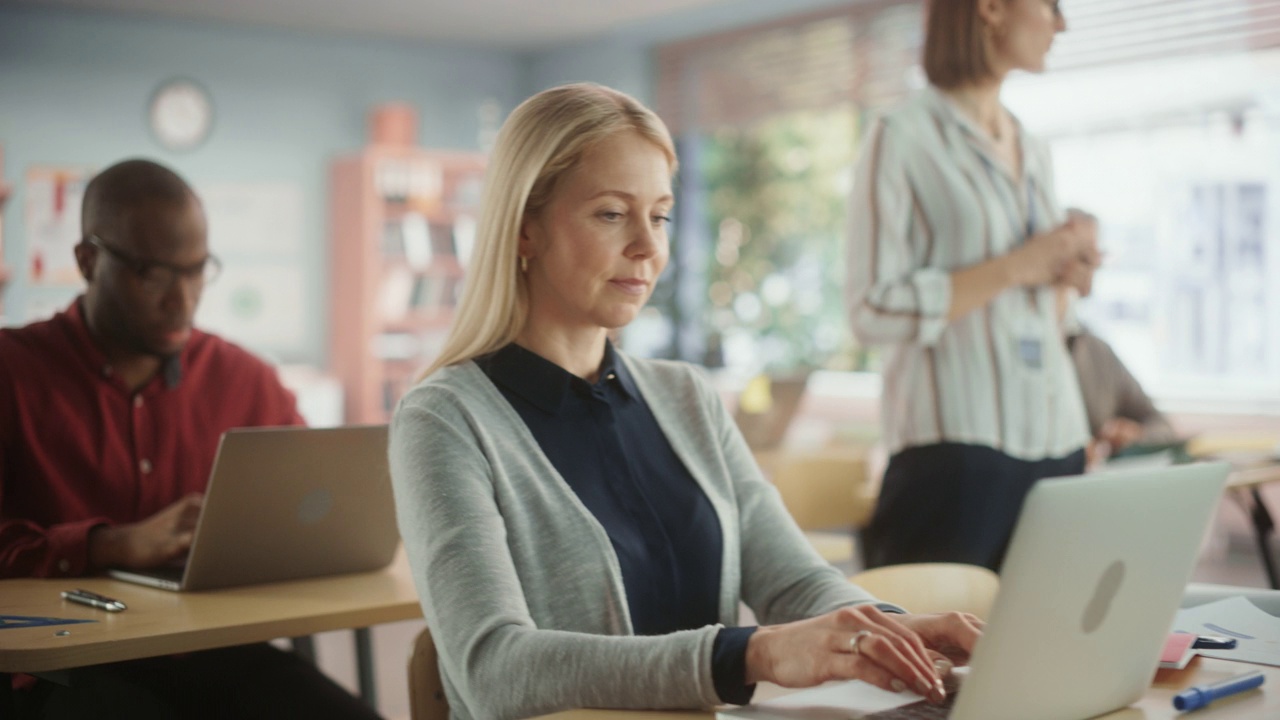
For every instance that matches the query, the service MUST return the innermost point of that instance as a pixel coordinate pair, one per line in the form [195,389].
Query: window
[1164,118]
[1165,122]
[767,122]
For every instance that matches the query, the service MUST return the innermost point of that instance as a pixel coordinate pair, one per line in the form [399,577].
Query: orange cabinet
[402,222]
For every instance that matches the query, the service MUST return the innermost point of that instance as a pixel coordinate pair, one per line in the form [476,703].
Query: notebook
[288,503]
[1088,592]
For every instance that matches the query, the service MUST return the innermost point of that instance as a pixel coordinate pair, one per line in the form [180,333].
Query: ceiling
[509,24]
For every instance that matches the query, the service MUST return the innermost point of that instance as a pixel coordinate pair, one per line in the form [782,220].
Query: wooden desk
[1156,704]
[160,622]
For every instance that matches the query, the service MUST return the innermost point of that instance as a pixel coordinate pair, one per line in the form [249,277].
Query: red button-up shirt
[78,449]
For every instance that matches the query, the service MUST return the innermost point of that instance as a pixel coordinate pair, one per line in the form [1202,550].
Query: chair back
[825,490]
[426,690]
[933,587]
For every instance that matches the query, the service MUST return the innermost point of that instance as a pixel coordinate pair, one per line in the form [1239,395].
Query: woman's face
[598,246]
[1023,32]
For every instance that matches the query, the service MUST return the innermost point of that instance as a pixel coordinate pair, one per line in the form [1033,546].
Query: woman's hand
[1079,271]
[1049,257]
[862,642]
[1119,432]
[951,634]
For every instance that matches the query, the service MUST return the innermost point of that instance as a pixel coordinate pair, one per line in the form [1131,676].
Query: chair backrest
[933,587]
[766,407]
[426,690]
[825,490]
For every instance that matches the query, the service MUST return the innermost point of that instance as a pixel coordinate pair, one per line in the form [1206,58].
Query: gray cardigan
[518,581]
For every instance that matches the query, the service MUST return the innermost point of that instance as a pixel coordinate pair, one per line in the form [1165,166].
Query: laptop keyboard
[922,710]
[916,711]
[168,572]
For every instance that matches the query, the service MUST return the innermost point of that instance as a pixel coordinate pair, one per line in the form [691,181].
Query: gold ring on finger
[857,639]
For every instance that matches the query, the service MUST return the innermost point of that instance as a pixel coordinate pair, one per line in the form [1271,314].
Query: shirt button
[145,466]
[611,376]
[137,401]
[64,565]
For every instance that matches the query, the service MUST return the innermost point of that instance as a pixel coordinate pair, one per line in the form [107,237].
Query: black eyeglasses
[157,277]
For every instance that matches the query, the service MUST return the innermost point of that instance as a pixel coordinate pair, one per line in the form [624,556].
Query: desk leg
[1262,527]
[364,667]
[8,703]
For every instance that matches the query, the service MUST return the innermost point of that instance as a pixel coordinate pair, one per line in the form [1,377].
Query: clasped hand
[1066,255]
[891,651]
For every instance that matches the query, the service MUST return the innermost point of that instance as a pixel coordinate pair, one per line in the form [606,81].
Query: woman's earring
[524,264]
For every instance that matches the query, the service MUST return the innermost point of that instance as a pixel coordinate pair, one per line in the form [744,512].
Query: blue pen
[1197,696]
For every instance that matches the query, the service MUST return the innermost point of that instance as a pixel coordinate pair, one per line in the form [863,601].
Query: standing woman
[957,245]
[582,525]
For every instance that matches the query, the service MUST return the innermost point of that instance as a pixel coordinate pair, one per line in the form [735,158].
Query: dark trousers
[249,681]
[953,503]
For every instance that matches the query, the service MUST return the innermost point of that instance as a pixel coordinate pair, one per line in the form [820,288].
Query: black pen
[84,597]
[1213,642]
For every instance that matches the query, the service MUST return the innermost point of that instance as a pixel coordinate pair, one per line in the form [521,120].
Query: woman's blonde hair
[542,140]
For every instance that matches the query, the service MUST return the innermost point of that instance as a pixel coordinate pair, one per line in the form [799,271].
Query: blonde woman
[583,525]
[957,246]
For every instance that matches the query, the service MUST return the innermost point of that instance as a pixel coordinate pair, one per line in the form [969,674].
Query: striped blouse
[929,198]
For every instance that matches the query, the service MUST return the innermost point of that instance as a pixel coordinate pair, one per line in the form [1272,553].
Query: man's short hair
[126,185]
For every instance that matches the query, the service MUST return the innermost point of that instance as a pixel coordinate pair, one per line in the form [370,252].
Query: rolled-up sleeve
[891,296]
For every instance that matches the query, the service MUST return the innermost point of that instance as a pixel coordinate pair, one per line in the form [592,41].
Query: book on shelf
[396,292]
[392,239]
[464,238]
[441,238]
[417,236]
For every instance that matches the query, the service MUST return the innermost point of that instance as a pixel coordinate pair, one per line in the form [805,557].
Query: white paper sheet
[1257,633]
[833,701]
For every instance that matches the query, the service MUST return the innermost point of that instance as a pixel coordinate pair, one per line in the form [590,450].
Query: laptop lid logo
[1108,586]
[315,506]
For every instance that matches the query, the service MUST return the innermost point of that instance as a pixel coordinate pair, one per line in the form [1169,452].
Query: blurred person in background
[110,417]
[956,250]
[1122,417]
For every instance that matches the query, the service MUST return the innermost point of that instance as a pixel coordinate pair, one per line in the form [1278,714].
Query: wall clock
[180,114]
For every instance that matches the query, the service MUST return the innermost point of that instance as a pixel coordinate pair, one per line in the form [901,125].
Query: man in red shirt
[110,416]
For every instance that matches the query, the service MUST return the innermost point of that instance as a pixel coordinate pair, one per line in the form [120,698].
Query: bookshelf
[402,223]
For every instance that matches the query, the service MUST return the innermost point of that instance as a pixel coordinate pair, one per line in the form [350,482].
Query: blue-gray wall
[74,87]
[622,59]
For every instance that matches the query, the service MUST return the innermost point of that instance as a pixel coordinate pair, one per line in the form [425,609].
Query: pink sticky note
[1175,653]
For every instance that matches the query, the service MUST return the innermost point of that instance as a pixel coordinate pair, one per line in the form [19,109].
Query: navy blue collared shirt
[605,442]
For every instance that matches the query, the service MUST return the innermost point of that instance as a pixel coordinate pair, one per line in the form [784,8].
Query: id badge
[1029,350]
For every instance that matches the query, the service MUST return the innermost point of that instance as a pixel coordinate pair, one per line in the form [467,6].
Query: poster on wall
[52,220]
[256,229]
[260,305]
[254,219]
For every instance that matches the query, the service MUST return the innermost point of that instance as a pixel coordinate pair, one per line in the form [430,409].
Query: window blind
[813,61]
[868,53]
[1102,32]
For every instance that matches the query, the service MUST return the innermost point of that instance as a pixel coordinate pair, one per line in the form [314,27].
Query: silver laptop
[288,503]
[1088,592]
